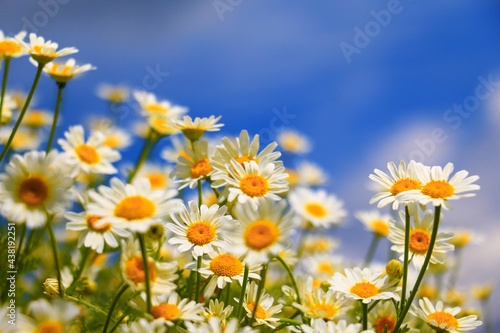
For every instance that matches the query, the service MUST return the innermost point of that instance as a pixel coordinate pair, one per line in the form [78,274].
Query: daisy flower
[90,156]
[322,266]
[223,268]
[161,125]
[172,154]
[463,237]
[310,174]
[10,47]
[194,166]
[25,138]
[265,309]
[444,319]
[319,244]
[375,222]
[161,274]
[252,182]
[150,105]
[216,325]
[420,238]
[158,176]
[35,118]
[382,316]
[437,186]
[320,326]
[114,137]
[365,285]
[142,325]
[32,185]
[48,317]
[217,309]
[5,326]
[170,309]
[135,206]
[402,179]
[199,229]
[264,232]
[294,142]
[8,107]
[194,130]
[482,292]
[63,72]
[43,51]
[93,236]
[317,207]
[113,93]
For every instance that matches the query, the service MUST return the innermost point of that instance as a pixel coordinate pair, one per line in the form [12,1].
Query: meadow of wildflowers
[223,236]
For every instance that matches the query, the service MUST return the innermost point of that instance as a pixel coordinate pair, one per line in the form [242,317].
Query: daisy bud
[51,287]
[325,286]
[394,269]
[155,232]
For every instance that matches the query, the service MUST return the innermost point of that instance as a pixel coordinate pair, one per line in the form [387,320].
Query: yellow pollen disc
[380,227]
[157,180]
[65,71]
[405,184]
[112,141]
[156,108]
[87,154]
[34,119]
[226,265]
[9,48]
[201,168]
[33,191]
[253,185]
[134,270]
[135,207]
[116,96]
[438,189]
[291,141]
[319,245]
[50,326]
[200,233]
[383,321]
[242,159]
[92,220]
[292,176]
[460,239]
[325,267]
[364,289]
[166,311]
[322,310]
[419,241]
[260,313]
[261,234]
[443,318]
[315,209]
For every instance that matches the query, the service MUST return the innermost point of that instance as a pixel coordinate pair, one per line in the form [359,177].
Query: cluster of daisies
[204,233]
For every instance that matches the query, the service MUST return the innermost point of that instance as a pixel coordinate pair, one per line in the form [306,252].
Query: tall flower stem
[371,250]
[120,292]
[435,227]
[142,243]
[60,87]
[148,144]
[365,315]
[243,290]
[198,280]
[4,84]
[21,240]
[55,252]
[23,111]
[406,257]
[259,292]
[294,282]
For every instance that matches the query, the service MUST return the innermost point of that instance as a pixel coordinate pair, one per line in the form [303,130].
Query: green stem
[294,282]
[60,87]
[290,322]
[371,250]
[200,193]
[85,303]
[243,290]
[435,227]
[55,252]
[4,84]
[406,257]
[120,292]
[190,285]
[23,111]
[21,240]
[365,315]
[228,294]
[485,317]
[146,270]
[259,292]
[83,262]
[150,140]
[118,322]
[374,304]
[198,280]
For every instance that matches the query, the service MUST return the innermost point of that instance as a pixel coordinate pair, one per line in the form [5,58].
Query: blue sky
[267,55]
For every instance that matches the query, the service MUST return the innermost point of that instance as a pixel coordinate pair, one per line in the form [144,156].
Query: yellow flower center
[260,313]
[166,311]
[443,318]
[157,180]
[134,270]
[92,220]
[292,176]
[116,96]
[201,168]
[135,207]
[9,48]
[323,310]
[405,184]
[364,289]
[315,209]
[325,267]
[291,141]
[34,119]
[112,141]
[380,227]
[200,233]
[383,321]
[242,159]
[254,185]
[162,126]
[261,234]
[438,189]
[87,154]
[39,49]
[33,191]
[419,241]
[319,245]
[226,265]
[460,239]
[50,326]
[65,71]
[156,108]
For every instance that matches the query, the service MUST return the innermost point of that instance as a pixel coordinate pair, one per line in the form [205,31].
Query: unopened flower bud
[155,232]
[325,286]
[394,269]
[51,287]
